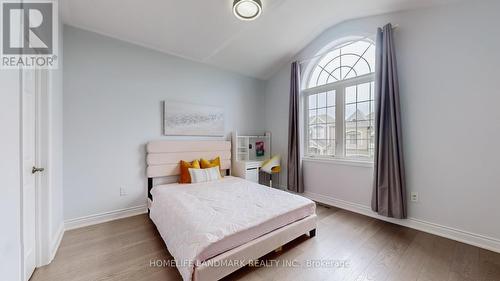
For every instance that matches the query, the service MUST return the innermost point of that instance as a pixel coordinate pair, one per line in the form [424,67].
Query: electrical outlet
[123,191]
[414,197]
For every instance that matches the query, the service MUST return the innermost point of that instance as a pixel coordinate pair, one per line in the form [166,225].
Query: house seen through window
[339,103]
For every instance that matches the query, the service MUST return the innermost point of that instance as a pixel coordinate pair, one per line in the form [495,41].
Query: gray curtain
[389,191]
[294,167]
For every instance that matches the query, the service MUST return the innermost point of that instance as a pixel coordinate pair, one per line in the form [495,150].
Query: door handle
[35,170]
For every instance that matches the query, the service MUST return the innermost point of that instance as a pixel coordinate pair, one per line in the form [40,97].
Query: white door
[29,137]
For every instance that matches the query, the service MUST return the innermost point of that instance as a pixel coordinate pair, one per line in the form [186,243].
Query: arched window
[339,94]
[349,60]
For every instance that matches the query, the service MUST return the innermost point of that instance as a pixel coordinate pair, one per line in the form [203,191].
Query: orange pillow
[210,163]
[184,176]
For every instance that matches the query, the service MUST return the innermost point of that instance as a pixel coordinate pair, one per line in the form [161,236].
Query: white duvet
[191,217]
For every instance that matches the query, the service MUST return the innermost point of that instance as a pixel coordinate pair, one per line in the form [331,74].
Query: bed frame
[163,161]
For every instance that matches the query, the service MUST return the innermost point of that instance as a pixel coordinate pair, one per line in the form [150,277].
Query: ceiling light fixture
[247,9]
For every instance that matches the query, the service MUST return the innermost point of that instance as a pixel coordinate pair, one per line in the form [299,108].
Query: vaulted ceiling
[206,30]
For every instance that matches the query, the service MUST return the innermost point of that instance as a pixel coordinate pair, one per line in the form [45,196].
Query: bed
[212,229]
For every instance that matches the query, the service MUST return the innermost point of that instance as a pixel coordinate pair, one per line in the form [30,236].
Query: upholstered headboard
[163,157]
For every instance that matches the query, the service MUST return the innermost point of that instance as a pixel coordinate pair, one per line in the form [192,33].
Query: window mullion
[339,122]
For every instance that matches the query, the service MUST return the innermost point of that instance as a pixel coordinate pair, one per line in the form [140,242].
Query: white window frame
[339,88]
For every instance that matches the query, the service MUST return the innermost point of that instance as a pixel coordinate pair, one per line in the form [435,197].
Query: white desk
[248,169]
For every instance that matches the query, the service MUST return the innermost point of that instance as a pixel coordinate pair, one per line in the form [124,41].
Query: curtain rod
[322,54]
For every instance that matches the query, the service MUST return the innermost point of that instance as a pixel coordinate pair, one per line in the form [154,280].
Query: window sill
[337,161]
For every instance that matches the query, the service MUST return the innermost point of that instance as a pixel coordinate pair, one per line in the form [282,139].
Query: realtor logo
[29,34]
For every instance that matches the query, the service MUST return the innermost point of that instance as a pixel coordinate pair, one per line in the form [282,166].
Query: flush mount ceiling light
[247,9]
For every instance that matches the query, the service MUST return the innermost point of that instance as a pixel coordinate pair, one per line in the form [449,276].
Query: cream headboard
[163,157]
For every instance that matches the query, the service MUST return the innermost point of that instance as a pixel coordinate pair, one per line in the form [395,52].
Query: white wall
[10,201]
[277,98]
[448,69]
[113,93]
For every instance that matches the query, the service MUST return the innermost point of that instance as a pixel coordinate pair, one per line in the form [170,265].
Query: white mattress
[200,221]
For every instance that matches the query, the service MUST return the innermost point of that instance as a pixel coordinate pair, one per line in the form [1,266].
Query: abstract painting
[185,119]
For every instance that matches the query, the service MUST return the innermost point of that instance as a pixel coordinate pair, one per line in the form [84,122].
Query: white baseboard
[478,240]
[105,217]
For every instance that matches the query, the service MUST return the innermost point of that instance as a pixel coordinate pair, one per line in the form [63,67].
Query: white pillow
[204,175]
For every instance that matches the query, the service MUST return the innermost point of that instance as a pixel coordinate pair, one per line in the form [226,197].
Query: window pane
[323,78]
[356,47]
[359,50]
[350,127]
[363,146]
[312,147]
[321,140]
[321,116]
[321,131]
[362,150]
[351,138]
[350,94]
[312,132]
[350,110]
[348,60]
[363,128]
[359,135]
[330,112]
[320,147]
[363,110]
[331,98]
[330,149]
[321,100]
[312,116]
[364,92]
[362,67]
[331,131]
[312,101]
[331,61]
[336,74]
[370,57]
[371,144]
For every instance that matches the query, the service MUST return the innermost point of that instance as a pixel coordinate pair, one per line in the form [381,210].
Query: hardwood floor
[351,246]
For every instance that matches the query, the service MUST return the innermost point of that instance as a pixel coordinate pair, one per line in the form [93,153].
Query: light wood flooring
[370,249]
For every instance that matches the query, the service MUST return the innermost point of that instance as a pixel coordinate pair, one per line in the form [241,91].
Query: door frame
[43,223]
[43,189]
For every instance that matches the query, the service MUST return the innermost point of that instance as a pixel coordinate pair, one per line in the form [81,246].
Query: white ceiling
[206,30]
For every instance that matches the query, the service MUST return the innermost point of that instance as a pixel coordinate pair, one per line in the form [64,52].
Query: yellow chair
[272,167]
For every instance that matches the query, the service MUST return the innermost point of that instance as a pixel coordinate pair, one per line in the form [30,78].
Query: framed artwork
[186,119]
[259,148]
